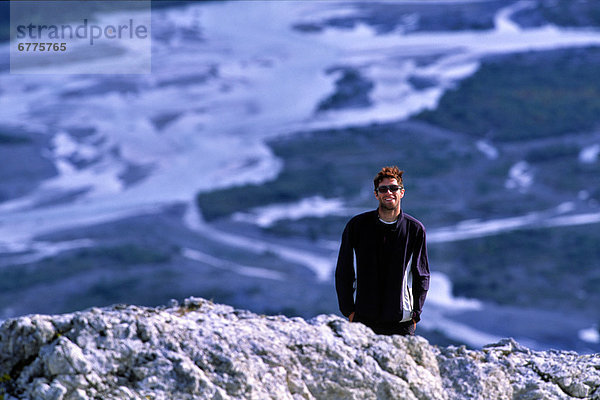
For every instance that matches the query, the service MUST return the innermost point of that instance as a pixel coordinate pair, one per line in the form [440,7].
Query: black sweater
[382,256]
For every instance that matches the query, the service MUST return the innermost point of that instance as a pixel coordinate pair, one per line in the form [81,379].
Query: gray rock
[201,350]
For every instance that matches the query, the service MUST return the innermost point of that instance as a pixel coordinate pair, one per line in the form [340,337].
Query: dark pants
[390,327]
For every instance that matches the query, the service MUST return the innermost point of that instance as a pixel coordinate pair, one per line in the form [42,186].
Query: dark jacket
[392,271]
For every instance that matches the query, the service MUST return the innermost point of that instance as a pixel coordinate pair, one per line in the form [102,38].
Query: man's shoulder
[362,218]
[413,221]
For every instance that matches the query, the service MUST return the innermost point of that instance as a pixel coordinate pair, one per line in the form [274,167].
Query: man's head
[388,188]
[388,172]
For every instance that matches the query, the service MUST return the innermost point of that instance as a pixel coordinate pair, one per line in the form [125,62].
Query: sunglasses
[391,188]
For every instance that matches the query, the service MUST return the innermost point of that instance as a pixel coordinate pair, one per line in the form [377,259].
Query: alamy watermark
[66,37]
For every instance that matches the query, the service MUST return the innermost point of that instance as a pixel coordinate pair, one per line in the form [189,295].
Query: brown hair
[388,172]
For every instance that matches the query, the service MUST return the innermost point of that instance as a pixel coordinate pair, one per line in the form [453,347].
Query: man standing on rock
[391,277]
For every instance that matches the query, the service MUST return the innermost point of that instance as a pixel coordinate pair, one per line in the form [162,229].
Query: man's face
[389,200]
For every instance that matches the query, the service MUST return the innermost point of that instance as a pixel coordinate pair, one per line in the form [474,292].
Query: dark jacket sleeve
[420,277]
[344,273]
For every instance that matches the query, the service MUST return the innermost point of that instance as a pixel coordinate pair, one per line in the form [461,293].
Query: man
[391,277]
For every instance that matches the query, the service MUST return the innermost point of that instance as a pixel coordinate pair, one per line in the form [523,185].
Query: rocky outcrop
[201,350]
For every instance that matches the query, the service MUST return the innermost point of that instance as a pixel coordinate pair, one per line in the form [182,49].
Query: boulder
[202,350]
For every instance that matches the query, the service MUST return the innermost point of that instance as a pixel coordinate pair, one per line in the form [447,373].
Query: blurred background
[230,170]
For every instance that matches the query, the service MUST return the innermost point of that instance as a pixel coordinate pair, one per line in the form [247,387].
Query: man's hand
[416,317]
[351,316]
